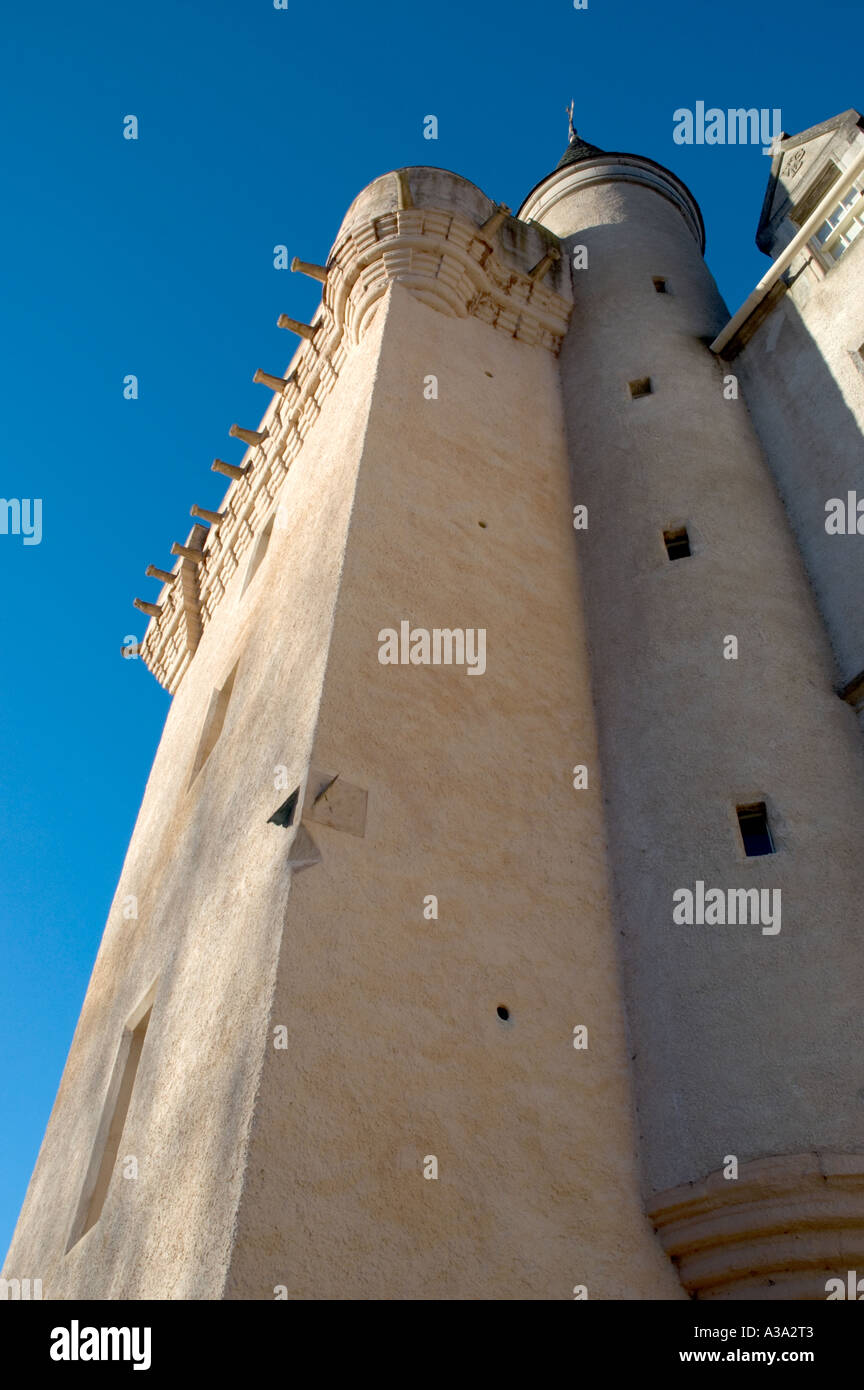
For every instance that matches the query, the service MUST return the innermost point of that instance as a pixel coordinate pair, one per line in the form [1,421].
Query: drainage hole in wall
[503,1012]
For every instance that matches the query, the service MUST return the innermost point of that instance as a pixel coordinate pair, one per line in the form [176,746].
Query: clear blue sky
[155,257]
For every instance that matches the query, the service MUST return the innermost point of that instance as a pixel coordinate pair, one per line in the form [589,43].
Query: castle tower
[735,1028]
[390,1002]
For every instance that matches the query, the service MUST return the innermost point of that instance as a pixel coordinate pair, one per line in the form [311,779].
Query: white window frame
[842,226]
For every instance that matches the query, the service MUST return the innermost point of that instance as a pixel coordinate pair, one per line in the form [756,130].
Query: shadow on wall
[813,443]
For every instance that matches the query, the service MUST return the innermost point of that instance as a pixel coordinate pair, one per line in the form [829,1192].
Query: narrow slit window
[755,830]
[641,387]
[110,1133]
[677,543]
[258,552]
[213,722]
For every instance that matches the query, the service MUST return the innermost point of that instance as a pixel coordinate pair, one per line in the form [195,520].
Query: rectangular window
[842,225]
[111,1125]
[642,387]
[755,831]
[660,284]
[677,543]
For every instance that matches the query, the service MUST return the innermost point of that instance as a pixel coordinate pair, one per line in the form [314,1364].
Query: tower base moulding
[781,1230]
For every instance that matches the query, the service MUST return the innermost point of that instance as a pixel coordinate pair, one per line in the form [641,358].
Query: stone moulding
[780,1231]
[443,259]
[614,168]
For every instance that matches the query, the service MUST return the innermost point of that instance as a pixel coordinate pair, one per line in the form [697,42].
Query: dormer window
[843,225]
[808,200]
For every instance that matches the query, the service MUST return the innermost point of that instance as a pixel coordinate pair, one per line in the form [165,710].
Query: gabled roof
[801,173]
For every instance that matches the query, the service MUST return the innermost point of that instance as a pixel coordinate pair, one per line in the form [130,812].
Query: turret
[728,766]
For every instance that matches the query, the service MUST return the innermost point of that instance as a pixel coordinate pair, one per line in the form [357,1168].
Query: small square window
[642,387]
[660,284]
[755,831]
[677,543]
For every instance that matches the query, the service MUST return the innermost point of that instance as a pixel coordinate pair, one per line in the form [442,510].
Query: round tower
[733,776]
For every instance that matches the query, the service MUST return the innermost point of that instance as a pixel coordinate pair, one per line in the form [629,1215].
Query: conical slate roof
[576,150]
[582,151]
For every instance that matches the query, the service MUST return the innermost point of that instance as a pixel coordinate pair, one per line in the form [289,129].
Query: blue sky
[257,127]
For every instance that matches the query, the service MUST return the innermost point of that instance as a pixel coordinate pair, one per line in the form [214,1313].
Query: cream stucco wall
[303,1166]
[395,1050]
[212,882]
[803,378]
[746,1044]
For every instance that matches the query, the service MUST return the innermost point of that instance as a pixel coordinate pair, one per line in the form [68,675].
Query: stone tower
[394,999]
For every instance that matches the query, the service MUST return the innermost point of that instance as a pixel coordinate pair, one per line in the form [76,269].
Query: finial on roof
[577,148]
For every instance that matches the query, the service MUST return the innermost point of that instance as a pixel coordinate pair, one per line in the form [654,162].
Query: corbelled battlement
[442,239]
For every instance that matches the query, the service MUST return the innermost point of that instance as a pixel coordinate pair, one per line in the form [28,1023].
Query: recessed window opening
[642,387]
[213,722]
[110,1132]
[755,830]
[807,202]
[843,224]
[853,693]
[660,284]
[285,813]
[677,543]
[259,550]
